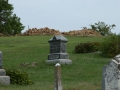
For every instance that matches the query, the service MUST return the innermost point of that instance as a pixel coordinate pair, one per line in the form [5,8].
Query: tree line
[9,22]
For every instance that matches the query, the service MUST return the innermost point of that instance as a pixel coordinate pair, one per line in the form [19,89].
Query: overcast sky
[66,15]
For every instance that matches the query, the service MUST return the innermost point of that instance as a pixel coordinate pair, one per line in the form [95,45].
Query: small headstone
[58,84]
[111,75]
[58,51]
[4,80]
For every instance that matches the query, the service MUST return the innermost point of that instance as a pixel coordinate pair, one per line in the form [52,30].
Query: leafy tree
[14,26]
[9,22]
[5,11]
[103,28]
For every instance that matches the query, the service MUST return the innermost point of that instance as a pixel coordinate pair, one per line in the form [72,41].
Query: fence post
[58,84]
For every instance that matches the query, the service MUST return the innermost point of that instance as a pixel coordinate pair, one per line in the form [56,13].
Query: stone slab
[2,72]
[111,75]
[61,61]
[5,80]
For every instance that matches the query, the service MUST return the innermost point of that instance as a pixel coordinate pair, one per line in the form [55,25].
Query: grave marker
[58,84]
[111,75]
[58,51]
[4,80]
[0,60]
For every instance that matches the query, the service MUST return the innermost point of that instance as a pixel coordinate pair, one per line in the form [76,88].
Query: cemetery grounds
[85,73]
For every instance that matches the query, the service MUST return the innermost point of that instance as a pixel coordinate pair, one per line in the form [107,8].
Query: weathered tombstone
[58,51]
[4,80]
[58,84]
[0,60]
[111,75]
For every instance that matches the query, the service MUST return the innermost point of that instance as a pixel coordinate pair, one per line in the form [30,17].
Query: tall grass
[84,74]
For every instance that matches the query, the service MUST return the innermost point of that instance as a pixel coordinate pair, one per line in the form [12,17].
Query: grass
[84,74]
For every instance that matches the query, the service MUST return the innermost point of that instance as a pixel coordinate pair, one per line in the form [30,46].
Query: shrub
[87,47]
[18,77]
[110,46]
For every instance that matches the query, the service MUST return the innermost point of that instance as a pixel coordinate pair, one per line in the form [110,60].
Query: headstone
[58,51]
[0,59]
[4,80]
[111,75]
[58,84]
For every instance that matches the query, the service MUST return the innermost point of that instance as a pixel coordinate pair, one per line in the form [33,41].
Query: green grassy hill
[84,74]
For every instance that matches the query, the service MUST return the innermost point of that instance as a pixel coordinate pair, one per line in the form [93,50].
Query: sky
[67,15]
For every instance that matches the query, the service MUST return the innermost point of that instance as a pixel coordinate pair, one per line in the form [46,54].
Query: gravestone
[111,75]
[0,60]
[4,80]
[58,83]
[58,51]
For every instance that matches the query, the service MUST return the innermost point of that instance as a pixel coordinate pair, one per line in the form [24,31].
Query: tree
[9,22]
[103,28]
[14,26]
[5,11]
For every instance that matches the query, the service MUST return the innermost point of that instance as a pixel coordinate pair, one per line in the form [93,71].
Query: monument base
[60,61]
[5,80]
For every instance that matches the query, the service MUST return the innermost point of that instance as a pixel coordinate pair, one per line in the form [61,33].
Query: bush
[87,47]
[18,77]
[110,46]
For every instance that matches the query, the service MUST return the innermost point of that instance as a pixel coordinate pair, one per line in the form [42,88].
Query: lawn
[85,73]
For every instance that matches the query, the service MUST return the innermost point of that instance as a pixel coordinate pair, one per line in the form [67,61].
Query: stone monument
[58,51]
[4,80]
[111,75]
